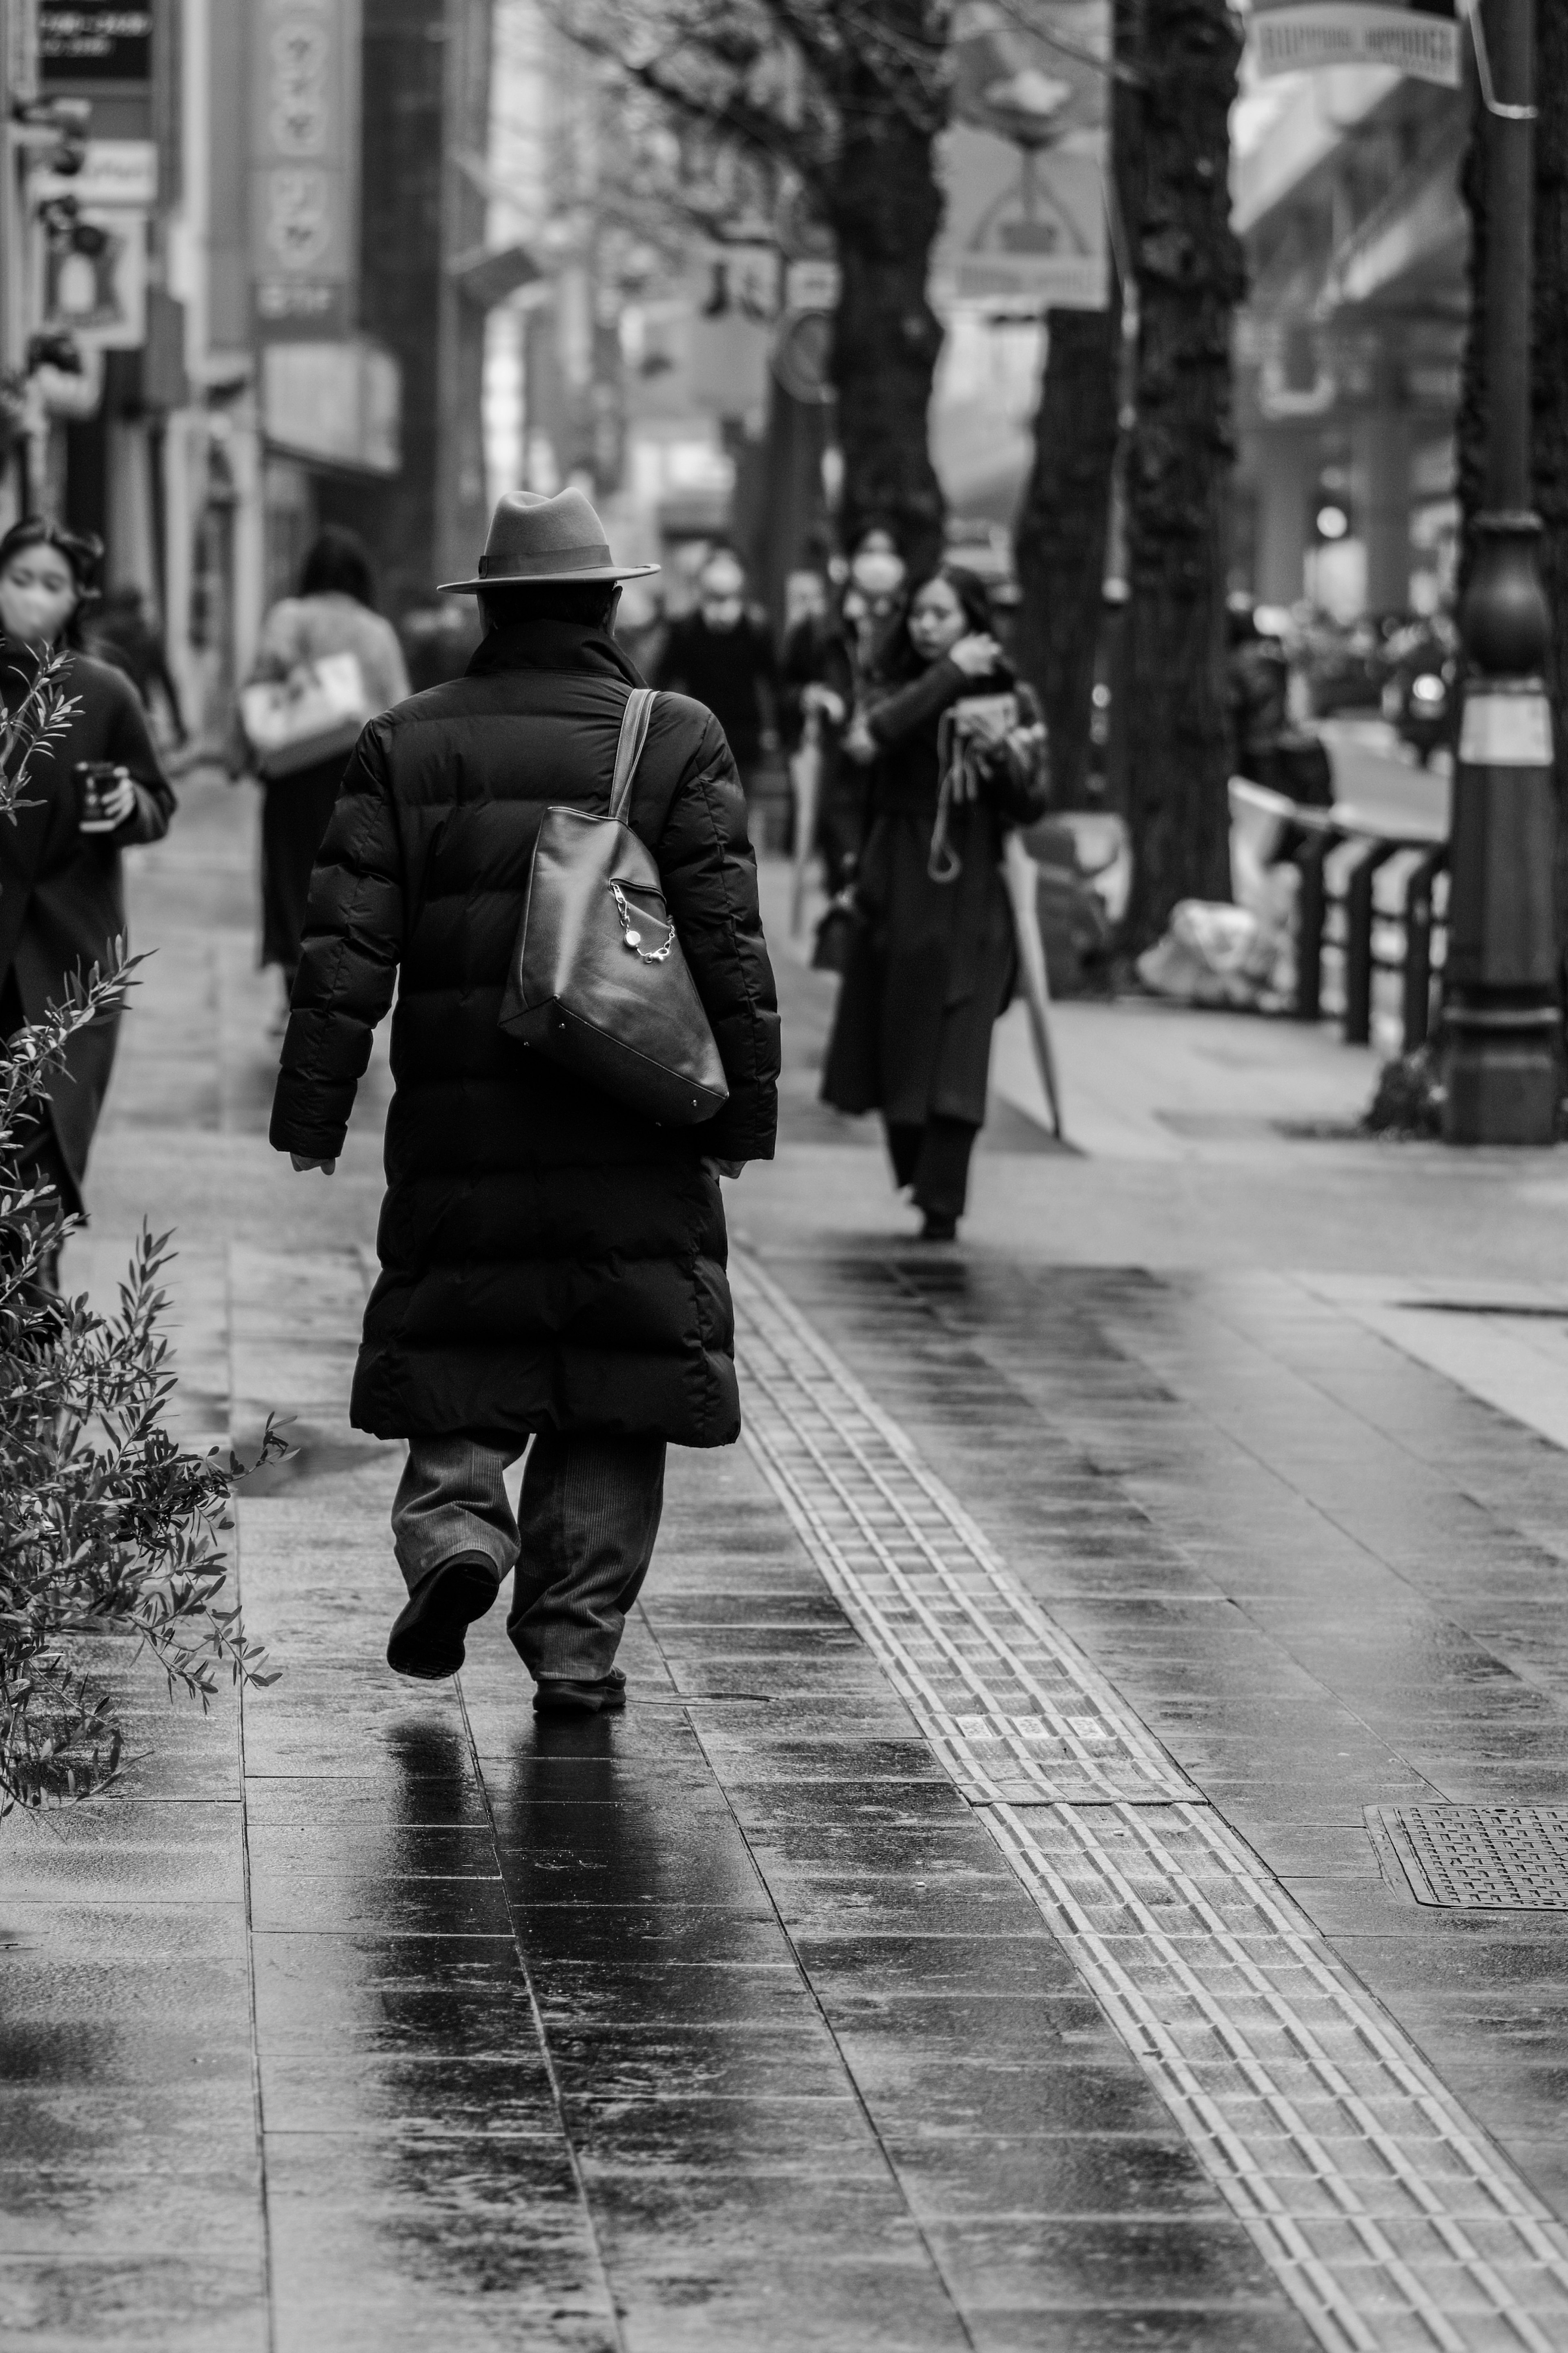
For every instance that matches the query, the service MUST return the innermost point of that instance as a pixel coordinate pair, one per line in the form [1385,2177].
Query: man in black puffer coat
[552,1264]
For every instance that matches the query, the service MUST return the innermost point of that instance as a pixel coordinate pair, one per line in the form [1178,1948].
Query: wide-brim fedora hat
[535,540]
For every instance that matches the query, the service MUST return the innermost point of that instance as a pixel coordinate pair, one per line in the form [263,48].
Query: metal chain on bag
[631,917]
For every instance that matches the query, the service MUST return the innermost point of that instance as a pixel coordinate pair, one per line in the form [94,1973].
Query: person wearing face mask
[933,963]
[873,597]
[721,654]
[91,790]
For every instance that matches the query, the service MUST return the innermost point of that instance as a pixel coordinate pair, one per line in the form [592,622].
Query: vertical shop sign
[20,59]
[305,64]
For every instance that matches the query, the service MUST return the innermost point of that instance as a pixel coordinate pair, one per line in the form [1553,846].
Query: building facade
[246,278]
[1349,346]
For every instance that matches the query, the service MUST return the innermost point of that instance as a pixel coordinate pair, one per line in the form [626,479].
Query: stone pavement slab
[972,1934]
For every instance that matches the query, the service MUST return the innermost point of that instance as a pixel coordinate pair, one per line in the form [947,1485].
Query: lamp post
[1500,1061]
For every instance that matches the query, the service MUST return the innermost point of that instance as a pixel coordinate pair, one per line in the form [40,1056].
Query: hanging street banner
[1419,39]
[1025,230]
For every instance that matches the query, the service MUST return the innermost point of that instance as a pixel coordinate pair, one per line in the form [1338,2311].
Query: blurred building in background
[1347,197]
[671,357]
[269,263]
[245,279]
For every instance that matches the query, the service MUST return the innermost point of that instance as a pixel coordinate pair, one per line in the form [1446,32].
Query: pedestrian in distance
[931,961]
[817,690]
[721,654]
[333,613]
[872,607]
[123,630]
[91,790]
[552,1265]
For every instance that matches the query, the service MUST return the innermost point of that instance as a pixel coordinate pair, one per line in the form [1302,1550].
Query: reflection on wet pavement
[727,2022]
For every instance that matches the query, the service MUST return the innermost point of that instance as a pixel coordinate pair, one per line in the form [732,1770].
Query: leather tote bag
[311,715]
[598,982]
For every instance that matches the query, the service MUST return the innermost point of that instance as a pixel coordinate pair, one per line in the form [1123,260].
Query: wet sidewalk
[992,1923]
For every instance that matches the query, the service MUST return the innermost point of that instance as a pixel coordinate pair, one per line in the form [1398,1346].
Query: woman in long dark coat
[62,901]
[932,965]
[334,613]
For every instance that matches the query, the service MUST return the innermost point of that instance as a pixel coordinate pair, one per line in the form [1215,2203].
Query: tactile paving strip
[1012,1707]
[1389,2218]
[1482,1858]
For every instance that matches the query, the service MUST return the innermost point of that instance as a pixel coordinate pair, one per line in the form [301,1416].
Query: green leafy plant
[108,1526]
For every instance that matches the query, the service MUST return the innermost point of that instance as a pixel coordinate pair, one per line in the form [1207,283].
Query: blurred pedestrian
[123,632]
[1259,689]
[552,1264]
[873,597]
[91,789]
[721,654]
[334,613]
[932,961]
[817,694]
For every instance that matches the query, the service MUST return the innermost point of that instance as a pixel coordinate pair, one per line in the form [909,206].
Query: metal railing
[1338,908]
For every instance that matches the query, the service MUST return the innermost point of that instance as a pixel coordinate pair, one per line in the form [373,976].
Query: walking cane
[1022,877]
[806,780]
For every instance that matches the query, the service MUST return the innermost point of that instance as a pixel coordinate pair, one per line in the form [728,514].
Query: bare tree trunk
[1172,176]
[1062,527]
[1470,425]
[885,205]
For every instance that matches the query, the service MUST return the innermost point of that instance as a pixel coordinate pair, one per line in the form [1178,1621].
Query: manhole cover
[1480,1858]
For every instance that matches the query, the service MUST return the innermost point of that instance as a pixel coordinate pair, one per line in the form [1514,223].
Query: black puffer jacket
[548,1259]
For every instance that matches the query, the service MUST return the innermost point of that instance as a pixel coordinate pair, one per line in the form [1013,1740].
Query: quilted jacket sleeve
[709,876]
[348,963]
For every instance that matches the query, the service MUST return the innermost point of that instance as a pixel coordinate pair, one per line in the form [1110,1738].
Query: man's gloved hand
[724,1167]
[301,1161]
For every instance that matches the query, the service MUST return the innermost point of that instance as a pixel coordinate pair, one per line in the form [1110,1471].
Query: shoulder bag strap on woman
[629,751]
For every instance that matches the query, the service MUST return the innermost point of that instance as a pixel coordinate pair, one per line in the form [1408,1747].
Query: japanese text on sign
[304,58]
[1419,39]
[89,41]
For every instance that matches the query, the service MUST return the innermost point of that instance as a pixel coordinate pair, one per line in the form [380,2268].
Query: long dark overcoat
[62,899]
[933,964]
[549,1259]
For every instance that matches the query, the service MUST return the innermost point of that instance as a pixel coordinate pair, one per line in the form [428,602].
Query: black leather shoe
[558,1697]
[427,1638]
[939,1227]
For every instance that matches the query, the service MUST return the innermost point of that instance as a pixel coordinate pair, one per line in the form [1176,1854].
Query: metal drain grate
[1480,1858]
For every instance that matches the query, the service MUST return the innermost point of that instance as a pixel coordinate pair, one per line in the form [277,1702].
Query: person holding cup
[92,788]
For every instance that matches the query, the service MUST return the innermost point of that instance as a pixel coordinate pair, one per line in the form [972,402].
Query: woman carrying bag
[954,751]
[298,738]
[91,790]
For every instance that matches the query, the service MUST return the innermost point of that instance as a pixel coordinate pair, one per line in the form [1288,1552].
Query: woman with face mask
[933,963]
[91,789]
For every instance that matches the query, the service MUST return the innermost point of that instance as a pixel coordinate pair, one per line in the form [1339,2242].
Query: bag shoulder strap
[629,751]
